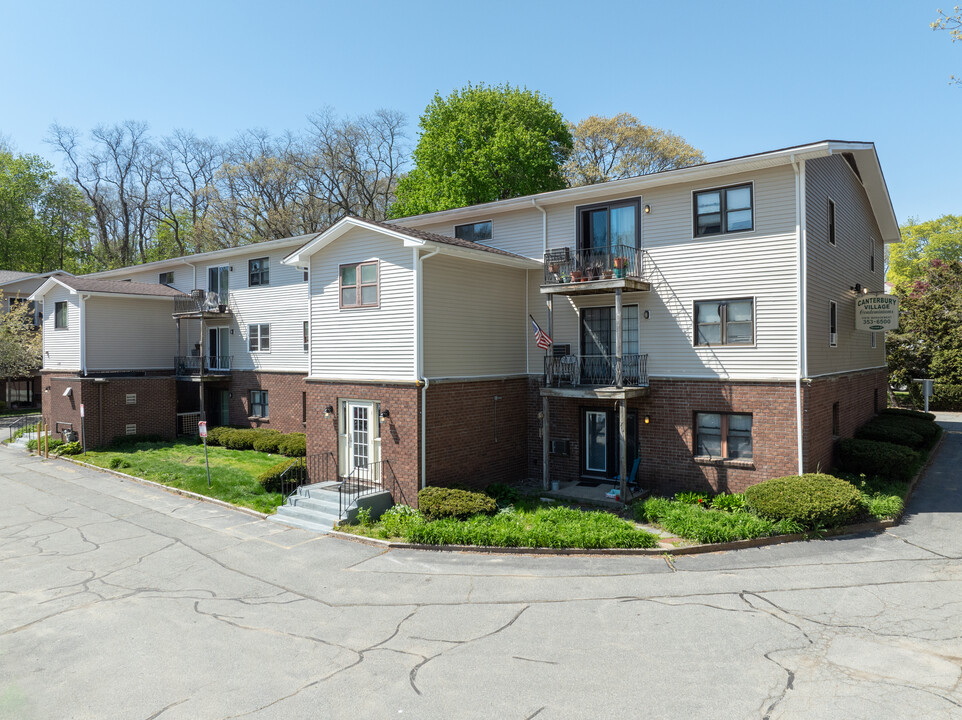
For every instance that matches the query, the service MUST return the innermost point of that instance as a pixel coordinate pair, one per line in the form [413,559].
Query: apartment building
[702,322]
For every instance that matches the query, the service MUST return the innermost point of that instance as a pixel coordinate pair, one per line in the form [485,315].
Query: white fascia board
[634,184]
[299,258]
[135,296]
[476,255]
[47,287]
[873,180]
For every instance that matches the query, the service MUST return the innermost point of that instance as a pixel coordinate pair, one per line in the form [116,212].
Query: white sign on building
[876,312]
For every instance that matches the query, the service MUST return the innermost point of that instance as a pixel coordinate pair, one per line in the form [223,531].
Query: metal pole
[623,449]
[206,461]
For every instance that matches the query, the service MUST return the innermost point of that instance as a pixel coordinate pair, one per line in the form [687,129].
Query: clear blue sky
[732,78]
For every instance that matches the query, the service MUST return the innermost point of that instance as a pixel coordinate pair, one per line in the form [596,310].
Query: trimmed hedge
[293,445]
[811,500]
[260,439]
[890,433]
[928,430]
[439,502]
[268,442]
[270,479]
[870,457]
[945,396]
[902,412]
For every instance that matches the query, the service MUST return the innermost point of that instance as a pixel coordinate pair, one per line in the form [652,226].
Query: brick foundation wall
[399,434]
[284,397]
[855,394]
[106,408]
[666,443]
[472,439]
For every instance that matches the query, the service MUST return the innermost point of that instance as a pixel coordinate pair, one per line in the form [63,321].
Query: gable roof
[864,152]
[412,237]
[12,275]
[92,286]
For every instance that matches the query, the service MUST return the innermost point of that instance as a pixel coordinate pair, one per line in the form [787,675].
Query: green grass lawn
[233,473]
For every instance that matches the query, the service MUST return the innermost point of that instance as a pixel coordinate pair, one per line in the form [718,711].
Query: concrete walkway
[119,600]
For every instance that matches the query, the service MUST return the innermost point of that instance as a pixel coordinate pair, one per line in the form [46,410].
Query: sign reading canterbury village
[876,312]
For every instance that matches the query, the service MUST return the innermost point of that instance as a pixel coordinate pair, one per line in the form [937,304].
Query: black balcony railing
[602,370]
[614,262]
[203,364]
[202,301]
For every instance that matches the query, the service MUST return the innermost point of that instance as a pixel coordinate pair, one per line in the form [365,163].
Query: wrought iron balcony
[197,365]
[202,303]
[596,370]
[617,262]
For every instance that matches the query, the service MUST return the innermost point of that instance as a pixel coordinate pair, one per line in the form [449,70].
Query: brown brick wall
[666,443]
[106,409]
[855,395]
[284,397]
[474,440]
[399,434]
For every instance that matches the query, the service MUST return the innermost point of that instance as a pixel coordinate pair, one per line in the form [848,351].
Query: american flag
[541,338]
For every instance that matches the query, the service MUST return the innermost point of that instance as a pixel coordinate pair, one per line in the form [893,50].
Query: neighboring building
[702,318]
[16,287]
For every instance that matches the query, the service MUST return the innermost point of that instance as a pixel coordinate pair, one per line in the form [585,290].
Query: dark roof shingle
[121,287]
[443,239]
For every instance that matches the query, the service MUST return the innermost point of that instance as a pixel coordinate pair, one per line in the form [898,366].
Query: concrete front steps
[315,507]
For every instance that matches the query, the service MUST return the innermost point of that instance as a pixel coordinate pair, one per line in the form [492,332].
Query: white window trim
[250,333]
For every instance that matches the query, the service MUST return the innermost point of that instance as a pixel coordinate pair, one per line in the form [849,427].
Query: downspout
[544,247]
[802,360]
[544,223]
[83,334]
[419,322]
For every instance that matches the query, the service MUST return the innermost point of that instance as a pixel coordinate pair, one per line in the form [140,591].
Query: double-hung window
[166,278]
[609,228]
[725,322]
[832,323]
[359,285]
[258,400]
[307,336]
[259,271]
[475,232]
[726,436]
[259,337]
[723,210]
[60,315]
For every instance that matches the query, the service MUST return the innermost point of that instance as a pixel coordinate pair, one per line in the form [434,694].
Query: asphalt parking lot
[123,601]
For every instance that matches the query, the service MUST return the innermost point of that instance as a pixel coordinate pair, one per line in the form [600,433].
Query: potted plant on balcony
[619,262]
[576,276]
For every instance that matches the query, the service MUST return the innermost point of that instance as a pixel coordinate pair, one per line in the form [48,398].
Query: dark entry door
[601,442]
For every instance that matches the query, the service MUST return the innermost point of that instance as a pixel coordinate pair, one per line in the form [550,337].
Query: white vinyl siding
[474,319]
[834,269]
[362,343]
[61,346]
[518,231]
[129,334]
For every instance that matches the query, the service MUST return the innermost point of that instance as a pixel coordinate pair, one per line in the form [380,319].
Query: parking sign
[202,427]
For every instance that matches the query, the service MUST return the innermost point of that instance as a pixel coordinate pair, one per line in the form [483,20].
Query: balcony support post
[623,447]
[619,350]
[200,362]
[545,419]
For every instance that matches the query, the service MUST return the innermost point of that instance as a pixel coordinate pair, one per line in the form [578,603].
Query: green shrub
[284,472]
[812,500]
[52,445]
[890,433]
[215,435]
[293,445]
[900,412]
[503,495]
[439,502]
[729,502]
[240,439]
[946,397]
[73,448]
[692,498]
[268,441]
[870,457]
[32,444]
[398,519]
[710,526]
[928,430]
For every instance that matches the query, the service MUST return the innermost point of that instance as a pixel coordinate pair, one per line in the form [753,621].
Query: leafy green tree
[20,341]
[923,242]
[611,148]
[484,143]
[928,343]
[43,218]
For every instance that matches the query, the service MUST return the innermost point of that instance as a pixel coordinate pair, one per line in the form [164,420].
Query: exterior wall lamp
[384,415]
[859,289]
[647,419]
[328,411]
[647,209]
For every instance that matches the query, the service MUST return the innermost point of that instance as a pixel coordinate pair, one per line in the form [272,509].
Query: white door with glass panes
[359,446]
[217,284]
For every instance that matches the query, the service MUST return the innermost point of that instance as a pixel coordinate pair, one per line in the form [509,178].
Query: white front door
[218,348]
[359,441]
[217,282]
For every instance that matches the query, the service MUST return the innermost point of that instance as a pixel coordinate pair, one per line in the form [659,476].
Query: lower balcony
[199,367]
[595,376]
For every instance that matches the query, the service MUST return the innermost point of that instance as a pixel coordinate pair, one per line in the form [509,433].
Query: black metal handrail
[22,422]
[202,301]
[363,480]
[202,364]
[589,264]
[307,471]
[575,370]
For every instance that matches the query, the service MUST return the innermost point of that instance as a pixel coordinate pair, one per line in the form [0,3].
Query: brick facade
[859,396]
[108,414]
[473,439]
[285,397]
[399,434]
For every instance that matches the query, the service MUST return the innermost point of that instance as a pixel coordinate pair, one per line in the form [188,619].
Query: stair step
[298,523]
[318,519]
[329,507]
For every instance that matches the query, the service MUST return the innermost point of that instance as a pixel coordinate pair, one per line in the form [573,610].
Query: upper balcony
[594,270]
[202,304]
[202,367]
[601,376]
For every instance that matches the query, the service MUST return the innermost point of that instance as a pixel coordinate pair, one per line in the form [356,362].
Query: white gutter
[802,307]
[419,322]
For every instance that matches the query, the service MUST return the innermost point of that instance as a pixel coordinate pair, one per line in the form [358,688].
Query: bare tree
[186,168]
